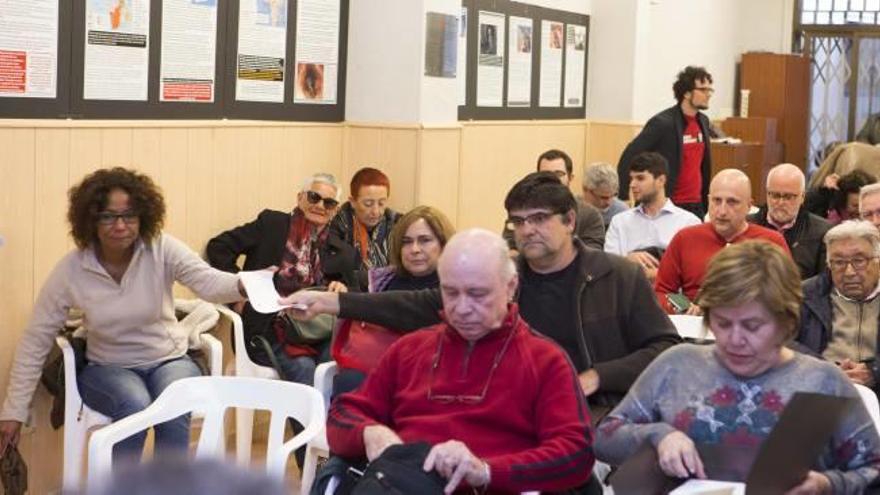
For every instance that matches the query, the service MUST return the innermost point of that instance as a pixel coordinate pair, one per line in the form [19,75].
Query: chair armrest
[214,350]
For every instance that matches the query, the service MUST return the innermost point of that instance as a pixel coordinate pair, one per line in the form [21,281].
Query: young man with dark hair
[681,134]
[642,233]
[598,307]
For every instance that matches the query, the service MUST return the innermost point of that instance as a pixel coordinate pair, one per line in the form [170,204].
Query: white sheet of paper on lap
[709,487]
[261,292]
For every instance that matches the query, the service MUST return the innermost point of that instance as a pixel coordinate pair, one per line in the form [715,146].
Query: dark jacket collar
[592,263]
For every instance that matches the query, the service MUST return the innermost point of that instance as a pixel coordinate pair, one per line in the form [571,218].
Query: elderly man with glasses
[681,134]
[783,212]
[476,387]
[869,204]
[839,318]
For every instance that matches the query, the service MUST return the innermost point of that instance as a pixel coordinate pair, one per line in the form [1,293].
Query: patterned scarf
[372,246]
[300,263]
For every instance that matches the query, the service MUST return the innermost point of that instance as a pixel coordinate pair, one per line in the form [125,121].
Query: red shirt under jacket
[689,185]
[532,427]
[684,263]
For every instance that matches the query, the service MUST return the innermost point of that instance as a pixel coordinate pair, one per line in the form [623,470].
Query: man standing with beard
[802,230]
[642,233]
[681,134]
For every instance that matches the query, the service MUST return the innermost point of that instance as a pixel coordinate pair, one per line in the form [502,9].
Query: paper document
[261,292]
[709,487]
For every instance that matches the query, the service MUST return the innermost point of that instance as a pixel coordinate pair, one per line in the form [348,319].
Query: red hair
[368,176]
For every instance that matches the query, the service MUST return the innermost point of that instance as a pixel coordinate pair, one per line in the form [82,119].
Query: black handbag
[397,471]
[52,376]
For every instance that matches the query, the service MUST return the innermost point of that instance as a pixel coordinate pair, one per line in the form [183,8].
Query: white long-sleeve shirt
[130,323]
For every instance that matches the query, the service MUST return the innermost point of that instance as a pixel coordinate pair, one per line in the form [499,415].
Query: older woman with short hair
[120,276]
[732,392]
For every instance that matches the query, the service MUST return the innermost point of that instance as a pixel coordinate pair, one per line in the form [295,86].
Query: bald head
[477,281]
[785,194]
[730,194]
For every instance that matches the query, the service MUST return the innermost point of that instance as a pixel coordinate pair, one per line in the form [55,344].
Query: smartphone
[679,302]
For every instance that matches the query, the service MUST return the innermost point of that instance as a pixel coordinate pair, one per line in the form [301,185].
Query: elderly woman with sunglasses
[120,277]
[290,242]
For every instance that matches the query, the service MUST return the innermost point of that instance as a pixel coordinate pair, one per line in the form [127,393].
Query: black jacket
[262,244]
[804,239]
[663,134]
[622,326]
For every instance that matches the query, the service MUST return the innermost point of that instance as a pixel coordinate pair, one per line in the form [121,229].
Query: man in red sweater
[684,263]
[501,404]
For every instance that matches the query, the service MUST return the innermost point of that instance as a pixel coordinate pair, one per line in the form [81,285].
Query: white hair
[483,241]
[854,229]
[868,190]
[600,174]
[322,178]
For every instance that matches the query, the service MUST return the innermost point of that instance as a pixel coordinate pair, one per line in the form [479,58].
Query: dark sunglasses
[314,198]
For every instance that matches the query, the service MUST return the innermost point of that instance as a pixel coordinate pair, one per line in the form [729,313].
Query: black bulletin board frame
[470,111]
[288,110]
[47,108]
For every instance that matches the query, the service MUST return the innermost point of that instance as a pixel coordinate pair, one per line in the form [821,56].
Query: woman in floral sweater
[732,393]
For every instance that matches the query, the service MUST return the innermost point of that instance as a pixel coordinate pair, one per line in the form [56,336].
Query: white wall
[384,61]
[576,6]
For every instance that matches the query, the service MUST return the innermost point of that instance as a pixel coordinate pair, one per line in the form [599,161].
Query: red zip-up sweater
[532,427]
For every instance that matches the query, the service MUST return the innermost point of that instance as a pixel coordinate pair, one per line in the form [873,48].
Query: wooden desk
[748,157]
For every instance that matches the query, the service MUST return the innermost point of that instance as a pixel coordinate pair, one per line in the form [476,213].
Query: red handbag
[359,345]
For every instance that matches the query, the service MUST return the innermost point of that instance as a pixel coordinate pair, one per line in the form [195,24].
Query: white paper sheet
[490,60]
[189,46]
[262,50]
[261,291]
[709,487]
[28,48]
[317,51]
[519,62]
[117,51]
[552,34]
[575,54]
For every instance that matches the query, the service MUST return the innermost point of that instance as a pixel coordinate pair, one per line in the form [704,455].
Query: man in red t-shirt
[681,134]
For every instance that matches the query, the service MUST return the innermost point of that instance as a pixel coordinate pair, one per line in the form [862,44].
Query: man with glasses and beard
[802,230]
[450,386]
[597,306]
[642,233]
[681,134]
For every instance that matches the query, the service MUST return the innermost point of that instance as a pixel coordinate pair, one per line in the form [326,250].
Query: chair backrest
[244,366]
[690,327]
[211,396]
[324,374]
[871,403]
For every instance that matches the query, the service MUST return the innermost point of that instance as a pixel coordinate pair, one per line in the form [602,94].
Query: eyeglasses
[858,263]
[535,219]
[869,215]
[314,198]
[778,196]
[707,90]
[465,399]
[110,218]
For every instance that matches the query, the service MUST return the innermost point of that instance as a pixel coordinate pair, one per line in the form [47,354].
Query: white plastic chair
[244,367]
[691,327]
[871,403]
[79,418]
[212,396]
[324,374]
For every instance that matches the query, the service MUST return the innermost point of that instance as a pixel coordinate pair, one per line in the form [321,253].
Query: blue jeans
[119,392]
[301,369]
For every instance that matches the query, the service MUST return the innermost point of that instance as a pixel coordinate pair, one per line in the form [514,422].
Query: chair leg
[74,452]
[310,466]
[244,430]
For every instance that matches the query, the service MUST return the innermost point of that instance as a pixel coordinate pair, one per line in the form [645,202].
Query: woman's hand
[10,432]
[678,456]
[815,483]
[336,286]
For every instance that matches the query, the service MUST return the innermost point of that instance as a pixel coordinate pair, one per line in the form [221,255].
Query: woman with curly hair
[120,276]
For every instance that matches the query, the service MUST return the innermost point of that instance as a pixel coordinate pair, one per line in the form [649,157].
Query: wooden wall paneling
[606,141]
[249,156]
[116,148]
[85,153]
[225,173]
[399,159]
[363,149]
[322,151]
[51,182]
[439,174]
[281,176]
[172,173]
[200,174]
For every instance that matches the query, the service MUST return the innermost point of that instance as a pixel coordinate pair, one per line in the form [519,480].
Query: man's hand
[315,303]
[455,462]
[694,310]
[678,456]
[858,372]
[589,381]
[831,181]
[377,438]
[646,260]
[336,286]
[814,484]
[10,432]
